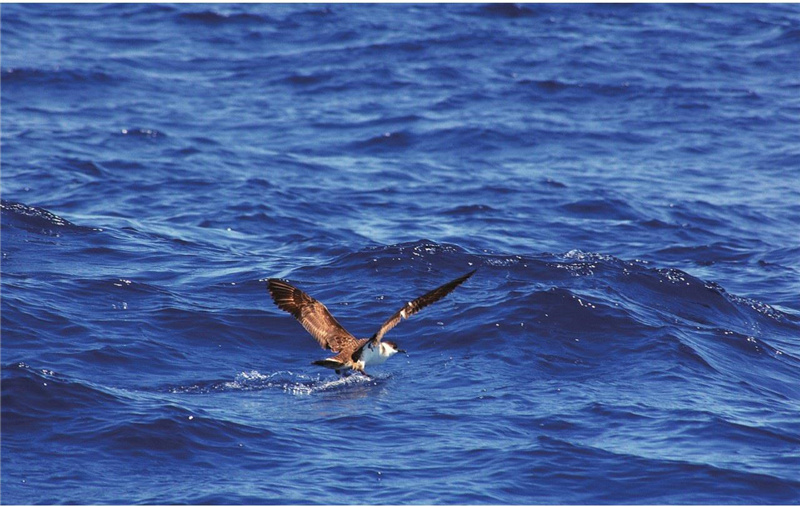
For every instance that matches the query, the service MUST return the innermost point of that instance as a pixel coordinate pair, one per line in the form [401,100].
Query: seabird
[351,353]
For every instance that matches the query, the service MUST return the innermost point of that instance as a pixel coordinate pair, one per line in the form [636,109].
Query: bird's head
[389,348]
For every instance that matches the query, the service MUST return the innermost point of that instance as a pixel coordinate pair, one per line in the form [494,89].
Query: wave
[39,397]
[208,17]
[467,210]
[701,482]
[142,132]
[38,220]
[60,409]
[604,208]
[387,140]
[579,292]
[507,10]
[56,76]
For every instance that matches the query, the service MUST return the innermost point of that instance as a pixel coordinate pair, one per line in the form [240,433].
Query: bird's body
[351,353]
[370,354]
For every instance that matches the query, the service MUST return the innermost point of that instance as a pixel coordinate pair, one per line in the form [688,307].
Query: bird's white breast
[373,356]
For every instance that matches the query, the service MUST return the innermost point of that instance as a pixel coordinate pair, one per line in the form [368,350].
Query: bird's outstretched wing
[415,305]
[312,314]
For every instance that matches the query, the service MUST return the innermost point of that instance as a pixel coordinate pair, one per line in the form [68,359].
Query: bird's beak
[402,351]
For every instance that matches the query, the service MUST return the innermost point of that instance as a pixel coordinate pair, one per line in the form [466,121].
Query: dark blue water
[626,179]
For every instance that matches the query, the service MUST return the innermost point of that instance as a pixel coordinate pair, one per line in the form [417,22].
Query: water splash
[286,381]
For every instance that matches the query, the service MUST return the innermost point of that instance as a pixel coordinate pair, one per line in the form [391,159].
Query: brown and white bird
[351,353]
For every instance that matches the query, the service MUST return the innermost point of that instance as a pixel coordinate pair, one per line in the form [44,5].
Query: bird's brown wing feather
[420,302]
[312,314]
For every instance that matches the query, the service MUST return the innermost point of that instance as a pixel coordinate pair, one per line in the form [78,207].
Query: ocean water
[625,178]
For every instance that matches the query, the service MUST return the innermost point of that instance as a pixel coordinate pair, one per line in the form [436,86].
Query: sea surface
[624,178]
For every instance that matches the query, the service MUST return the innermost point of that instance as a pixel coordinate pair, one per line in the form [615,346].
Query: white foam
[289,382]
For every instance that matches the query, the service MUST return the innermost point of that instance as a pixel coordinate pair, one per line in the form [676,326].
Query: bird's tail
[329,363]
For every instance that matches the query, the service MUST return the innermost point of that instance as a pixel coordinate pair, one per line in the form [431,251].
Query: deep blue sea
[625,178]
